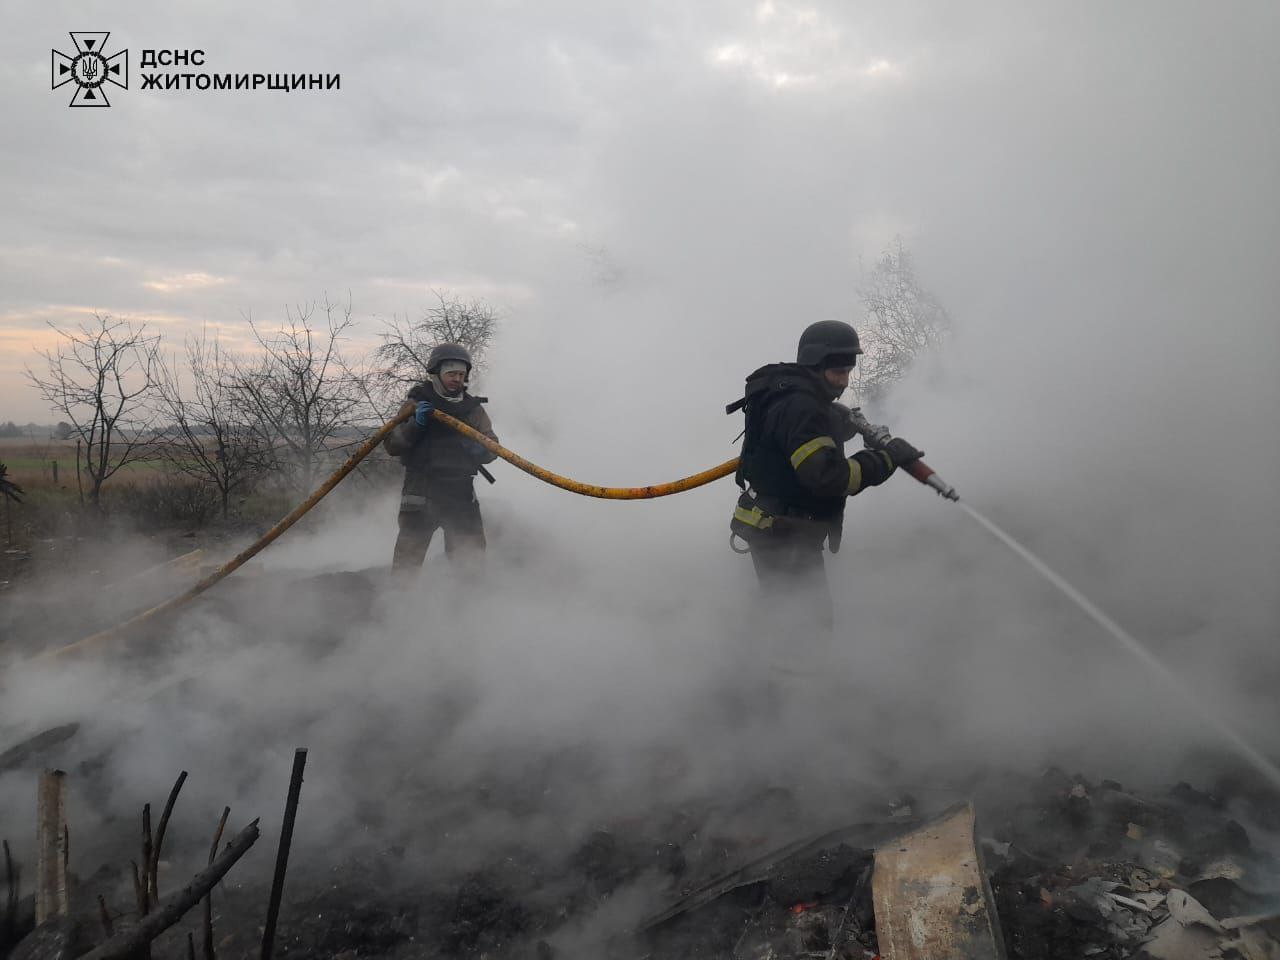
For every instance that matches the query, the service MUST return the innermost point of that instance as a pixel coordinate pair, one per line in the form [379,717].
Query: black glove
[901,452]
[845,428]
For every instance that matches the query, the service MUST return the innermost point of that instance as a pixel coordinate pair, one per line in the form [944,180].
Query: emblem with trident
[90,69]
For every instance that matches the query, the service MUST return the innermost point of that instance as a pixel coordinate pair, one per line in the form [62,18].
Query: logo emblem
[91,69]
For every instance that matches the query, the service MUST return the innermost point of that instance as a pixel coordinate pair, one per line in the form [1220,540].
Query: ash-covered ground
[493,773]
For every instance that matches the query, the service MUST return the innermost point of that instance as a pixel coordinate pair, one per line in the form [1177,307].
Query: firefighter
[794,472]
[440,465]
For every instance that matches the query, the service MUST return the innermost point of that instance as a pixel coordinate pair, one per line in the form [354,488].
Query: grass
[30,462]
[52,530]
[152,494]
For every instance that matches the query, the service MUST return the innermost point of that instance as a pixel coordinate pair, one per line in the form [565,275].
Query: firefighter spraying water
[795,476]
[865,468]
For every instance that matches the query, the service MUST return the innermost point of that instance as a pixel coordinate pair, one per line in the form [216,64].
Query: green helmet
[448,351]
[828,343]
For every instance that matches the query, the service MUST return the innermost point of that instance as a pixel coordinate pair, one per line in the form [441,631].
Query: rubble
[1085,871]
[1076,869]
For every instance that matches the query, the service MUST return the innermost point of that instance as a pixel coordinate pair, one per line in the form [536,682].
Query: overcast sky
[725,163]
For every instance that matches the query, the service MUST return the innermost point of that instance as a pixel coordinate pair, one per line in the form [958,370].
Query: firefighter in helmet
[794,471]
[440,464]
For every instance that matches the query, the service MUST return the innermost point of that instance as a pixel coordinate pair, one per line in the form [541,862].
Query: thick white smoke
[1095,204]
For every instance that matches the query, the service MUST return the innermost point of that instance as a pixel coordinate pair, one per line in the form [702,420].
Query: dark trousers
[792,575]
[463,528]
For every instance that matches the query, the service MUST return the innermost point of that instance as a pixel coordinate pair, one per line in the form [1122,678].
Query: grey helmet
[828,343]
[448,351]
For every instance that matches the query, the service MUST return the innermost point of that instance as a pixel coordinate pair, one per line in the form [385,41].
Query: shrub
[165,502]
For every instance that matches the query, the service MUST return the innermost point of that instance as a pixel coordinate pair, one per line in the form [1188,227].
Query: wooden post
[54,464]
[51,843]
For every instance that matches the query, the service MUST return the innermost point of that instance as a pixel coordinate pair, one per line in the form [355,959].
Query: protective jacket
[793,467]
[438,458]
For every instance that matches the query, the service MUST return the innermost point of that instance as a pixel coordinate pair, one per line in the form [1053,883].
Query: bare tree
[301,398]
[902,320]
[402,356]
[208,437]
[102,377]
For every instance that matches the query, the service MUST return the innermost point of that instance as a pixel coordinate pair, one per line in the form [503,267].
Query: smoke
[1101,229]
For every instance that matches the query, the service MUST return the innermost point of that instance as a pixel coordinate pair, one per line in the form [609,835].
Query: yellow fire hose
[366,448]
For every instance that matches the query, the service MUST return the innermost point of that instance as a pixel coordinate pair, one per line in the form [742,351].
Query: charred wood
[153,870]
[129,943]
[282,853]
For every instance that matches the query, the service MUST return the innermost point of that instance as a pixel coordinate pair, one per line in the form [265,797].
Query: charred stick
[105,915]
[147,849]
[858,888]
[11,885]
[139,894]
[209,953]
[128,943]
[153,870]
[217,836]
[839,931]
[282,854]
[66,861]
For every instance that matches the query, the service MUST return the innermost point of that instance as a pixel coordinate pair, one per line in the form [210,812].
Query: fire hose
[875,437]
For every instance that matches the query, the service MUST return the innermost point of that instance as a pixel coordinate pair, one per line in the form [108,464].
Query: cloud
[176,283]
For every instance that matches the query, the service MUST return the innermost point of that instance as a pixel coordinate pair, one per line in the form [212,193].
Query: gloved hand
[901,452]
[874,436]
[846,427]
[423,412]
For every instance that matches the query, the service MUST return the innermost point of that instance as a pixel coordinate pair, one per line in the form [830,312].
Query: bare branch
[301,399]
[902,321]
[208,437]
[406,345]
[101,376]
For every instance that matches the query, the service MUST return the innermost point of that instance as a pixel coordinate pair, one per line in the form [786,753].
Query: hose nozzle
[876,437]
[924,473]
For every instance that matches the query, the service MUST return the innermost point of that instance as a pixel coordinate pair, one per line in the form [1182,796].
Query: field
[151,498]
[31,461]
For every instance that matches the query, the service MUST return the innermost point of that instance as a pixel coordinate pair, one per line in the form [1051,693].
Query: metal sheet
[932,899]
